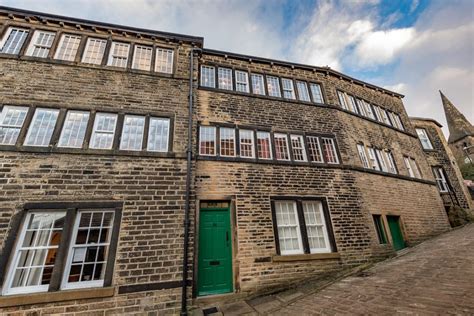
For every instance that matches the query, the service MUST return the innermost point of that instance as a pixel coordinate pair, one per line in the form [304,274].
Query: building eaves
[414,118]
[14,12]
[327,70]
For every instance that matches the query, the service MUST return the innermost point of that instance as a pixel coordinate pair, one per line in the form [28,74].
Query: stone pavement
[433,278]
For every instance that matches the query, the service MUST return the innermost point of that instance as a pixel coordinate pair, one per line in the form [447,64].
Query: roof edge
[425,119]
[301,66]
[92,23]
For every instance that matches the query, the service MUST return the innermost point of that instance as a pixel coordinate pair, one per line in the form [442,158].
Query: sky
[414,47]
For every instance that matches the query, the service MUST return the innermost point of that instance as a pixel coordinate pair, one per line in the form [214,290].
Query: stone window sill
[304,257]
[51,297]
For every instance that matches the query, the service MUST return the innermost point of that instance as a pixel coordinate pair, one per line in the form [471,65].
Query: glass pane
[132,134]
[158,134]
[74,129]
[42,127]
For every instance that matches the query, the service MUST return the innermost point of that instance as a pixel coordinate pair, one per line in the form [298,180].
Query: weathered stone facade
[151,186]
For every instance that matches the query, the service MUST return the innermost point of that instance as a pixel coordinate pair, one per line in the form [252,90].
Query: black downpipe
[189,153]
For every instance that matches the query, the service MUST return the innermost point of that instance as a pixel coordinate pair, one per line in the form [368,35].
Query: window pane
[208,77]
[423,136]
[374,164]
[288,90]
[241,81]
[35,255]
[41,127]
[94,51]
[74,129]
[119,55]
[15,38]
[164,60]
[273,86]
[142,57]
[297,146]
[391,162]
[303,93]
[258,86]
[68,47]
[380,157]
[225,78]
[316,93]
[368,109]
[132,133]
[289,236]
[11,122]
[314,149]
[316,227]
[207,140]
[264,145]
[440,179]
[87,260]
[379,227]
[408,166]
[342,100]
[103,131]
[41,44]
[158,134]
[247,149]
[330,154]
[362,155]
[227,138]
[281,147]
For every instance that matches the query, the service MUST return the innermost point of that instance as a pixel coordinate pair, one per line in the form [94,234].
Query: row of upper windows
[94,51]
[268,146]
[260,84]
[372,111]
[74,129]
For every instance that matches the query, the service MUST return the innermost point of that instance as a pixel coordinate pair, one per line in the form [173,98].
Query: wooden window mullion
[304,232]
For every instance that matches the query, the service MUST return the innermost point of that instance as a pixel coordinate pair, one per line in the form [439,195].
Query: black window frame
[380,229]
[71,208]
[302,223]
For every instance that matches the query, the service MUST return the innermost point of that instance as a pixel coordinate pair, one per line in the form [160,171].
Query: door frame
[401,223]
[234,242]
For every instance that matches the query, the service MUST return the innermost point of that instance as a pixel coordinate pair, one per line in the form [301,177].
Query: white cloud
[381,47]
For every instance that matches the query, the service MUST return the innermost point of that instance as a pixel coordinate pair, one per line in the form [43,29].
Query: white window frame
[213,128]
[332,143]
[60,50]
[342,100]
[166,137]
[382,162]
[221,130]
[300,249]
[18,126]
[424,139]
[408,166]
[66,121]
[415,168]
[352,103]
[208,73]
[319,209]
[260,83]
[140,145]
[361,107]
[369,110]
[98,49]
[274,83]
[7,289]
[141,60]
[373,162]
[65,285]
[385,118]
[113,55]
[399,121]
[95,131]
[224,75]
[303,92]
[441,180]
[241,81]
[392,167]
[27,141]
[23,36]
[316,93]
[363,156]
[288,88]
[302,148]
[33,44]
[315,140]
[252,142]
[269,138]
[285,137]
[167,68]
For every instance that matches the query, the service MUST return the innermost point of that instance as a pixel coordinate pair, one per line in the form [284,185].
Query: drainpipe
[189,154]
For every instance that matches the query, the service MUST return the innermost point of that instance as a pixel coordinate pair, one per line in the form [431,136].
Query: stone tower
[461,133]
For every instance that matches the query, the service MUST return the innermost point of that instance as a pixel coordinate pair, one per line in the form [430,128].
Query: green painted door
[215,250]
[396,232]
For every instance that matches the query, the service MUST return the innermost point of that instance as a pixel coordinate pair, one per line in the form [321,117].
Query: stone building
[296,170]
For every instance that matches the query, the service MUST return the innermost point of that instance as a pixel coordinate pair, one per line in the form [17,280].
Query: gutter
[189,154]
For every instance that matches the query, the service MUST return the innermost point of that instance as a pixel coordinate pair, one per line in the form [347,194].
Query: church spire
[458,125]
